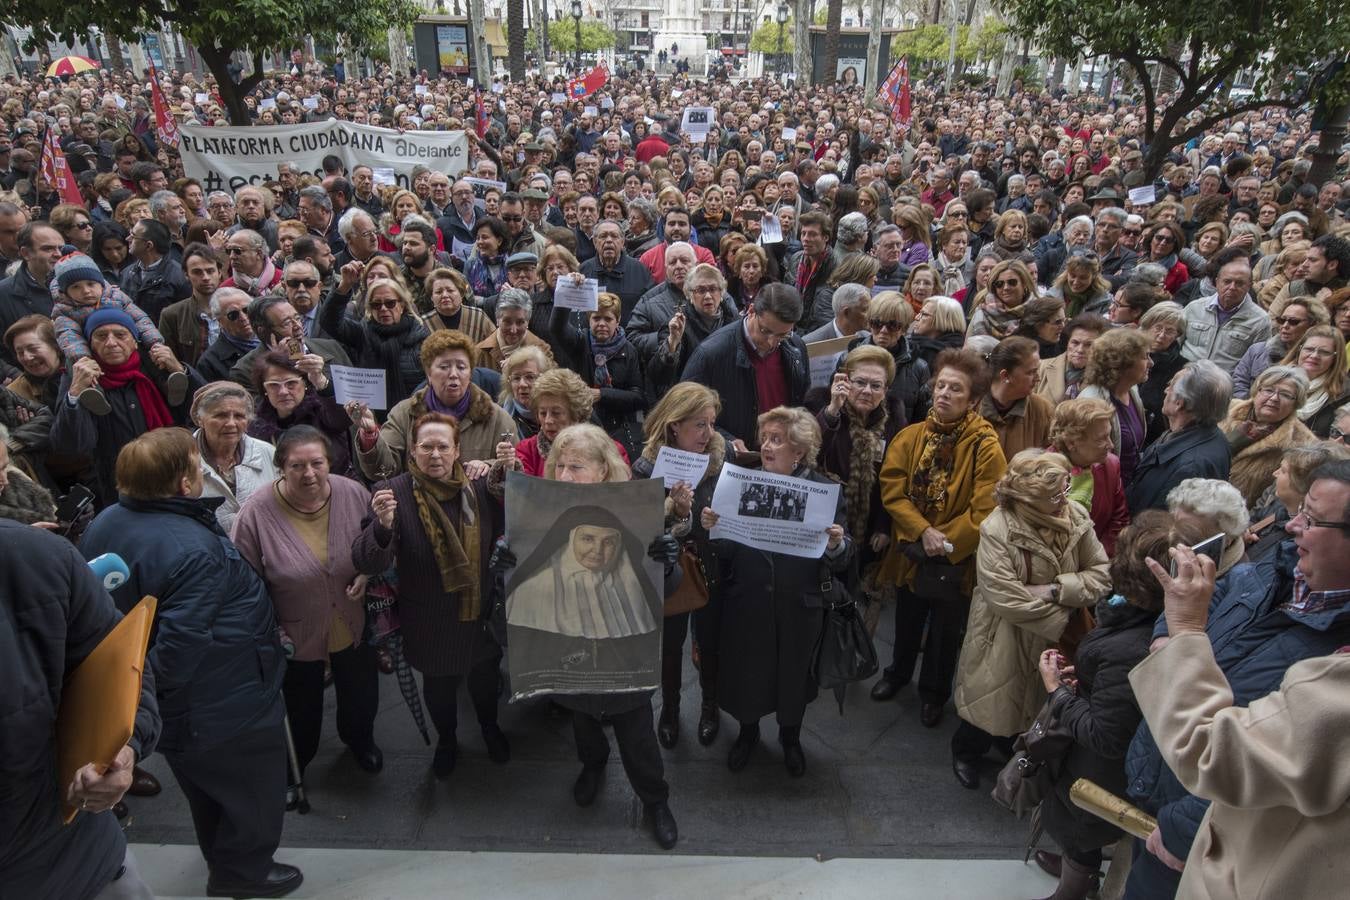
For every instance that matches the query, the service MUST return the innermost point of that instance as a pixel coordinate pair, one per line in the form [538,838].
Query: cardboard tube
[1088,795]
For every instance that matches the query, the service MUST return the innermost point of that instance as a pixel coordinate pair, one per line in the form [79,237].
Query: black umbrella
[383,628]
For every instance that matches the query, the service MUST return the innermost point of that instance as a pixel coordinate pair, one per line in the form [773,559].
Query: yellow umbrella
[71,65]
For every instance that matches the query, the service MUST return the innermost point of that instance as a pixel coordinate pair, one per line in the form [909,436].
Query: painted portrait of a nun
[584,580]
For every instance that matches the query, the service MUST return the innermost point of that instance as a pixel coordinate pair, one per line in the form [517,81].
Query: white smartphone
[1211,547]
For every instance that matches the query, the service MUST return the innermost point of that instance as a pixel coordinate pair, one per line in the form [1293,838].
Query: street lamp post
[576,20]
[781,18]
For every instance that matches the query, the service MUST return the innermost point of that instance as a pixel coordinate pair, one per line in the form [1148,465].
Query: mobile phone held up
[1211,547]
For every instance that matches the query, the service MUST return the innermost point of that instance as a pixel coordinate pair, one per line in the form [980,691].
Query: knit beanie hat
[108,315]
[75,267]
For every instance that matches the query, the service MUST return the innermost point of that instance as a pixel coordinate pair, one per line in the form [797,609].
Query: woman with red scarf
[132,385]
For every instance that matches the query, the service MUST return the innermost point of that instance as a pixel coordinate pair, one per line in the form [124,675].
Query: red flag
[591,82]
[166,127]
[481,116]
[56,172]
[895,91]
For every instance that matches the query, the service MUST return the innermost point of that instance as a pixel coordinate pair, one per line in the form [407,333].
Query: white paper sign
[789,134]
[591,111]
[469,82]
[675,466]
[498,87]
[698,121]
[481,185]
[200,98]
[362,385]
[1142,196]
[606,103]
[459,249]
[770,229]
[383,175]
[822,369]
[558,97]
[267,103]
[310,102]
[570,295]
[420,89]
[121,101]
[770,512]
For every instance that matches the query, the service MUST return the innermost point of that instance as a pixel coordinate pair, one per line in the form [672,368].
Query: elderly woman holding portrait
[1117,364]
[1081,430]
[1193,446]
[1037,562]
[772,610]
[447,357]
[234,465]
[436,528]
[1260,430]
[937,485]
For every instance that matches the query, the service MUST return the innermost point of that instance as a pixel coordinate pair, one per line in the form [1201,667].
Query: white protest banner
[229,158]
[591,111]
[583,296]
[383,176]
[201,98]
[770,512]
[674,466]
[1142,196]
[789,134]
[698,121]
[362,385]
[770,230]
[824,358]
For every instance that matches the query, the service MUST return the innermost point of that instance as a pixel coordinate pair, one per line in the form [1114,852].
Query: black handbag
[1029,776]
[844,653]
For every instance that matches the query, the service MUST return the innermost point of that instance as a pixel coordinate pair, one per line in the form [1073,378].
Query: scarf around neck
[1055,531]
[153,407]
[602,353]
[937,460]
[458,573]
[457,410]
[255,286]
[866,445]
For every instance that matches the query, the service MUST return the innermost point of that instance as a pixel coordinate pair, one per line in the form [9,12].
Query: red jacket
[650,147]
[1109,512]
[655,259]
[532,461]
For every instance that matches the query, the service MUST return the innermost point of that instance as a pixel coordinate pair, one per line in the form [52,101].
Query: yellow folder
[99,701]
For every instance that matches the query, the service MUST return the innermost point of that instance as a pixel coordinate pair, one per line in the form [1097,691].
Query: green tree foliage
[926,47]
[1293,47]
[219,29]
[765,38]
[562,36]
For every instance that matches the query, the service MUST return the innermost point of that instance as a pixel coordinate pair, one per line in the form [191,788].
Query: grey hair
[825,182]
[1212,499]
[1256,231]
[1285,218]
[214,194]
[1080,220]
[159,201]
[1016,178]
[211,395]
[851,228]
[680,244]
[705,272]
[982,344]
[645,208]
[1167,312]
[295,263]
[347,223]
[317,194]
[254,239]
[221,294]
[1277,374]
[514,298]
[1203,390]
[1149,273]
[1114,212]
[847,296]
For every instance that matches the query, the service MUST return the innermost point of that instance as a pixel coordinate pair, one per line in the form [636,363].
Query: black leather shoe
[930,714]
[292,798]
[885,689]
[794,759]
[967,773]
[143,784]
[663,825]
[443,763]
[280,880]
[121,810]
[668,728]
[1049,862]
[498,747]
[744,746]
[587,785]
[709,721]
[370,759]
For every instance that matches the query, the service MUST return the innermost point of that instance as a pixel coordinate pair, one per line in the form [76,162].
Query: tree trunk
[970,12]
[1329,142]
[1167,76]
[834,14]
[515,39]
[873,50]
[1057,74]
[115,52]
[1075,77]
[801,40]
[232,95]
[1006,65]
[482,50]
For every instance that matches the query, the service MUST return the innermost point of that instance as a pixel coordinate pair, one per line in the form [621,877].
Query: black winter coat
[1200,451]
[217,660]
[1166,363]
[620,402]
[55,614]
[649,330]
[396,349]
[1102,717]
[21,295]
[153,291]
[816,306]
[722,362]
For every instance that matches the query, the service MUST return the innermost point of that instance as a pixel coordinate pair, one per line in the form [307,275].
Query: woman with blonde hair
[921,284]
[402,204]
[520,370]
[1038,561]
[749,273]
[1010,234]
[1081,430]
[1000,307]
[914,229]
[1283,270]
[389,339]
[685,419]
[1082,287]
[772,617]
[1290,319]
[1321,354]
[940,324]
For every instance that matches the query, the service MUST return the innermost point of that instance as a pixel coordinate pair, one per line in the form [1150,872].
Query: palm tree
[834,12]
[515,38]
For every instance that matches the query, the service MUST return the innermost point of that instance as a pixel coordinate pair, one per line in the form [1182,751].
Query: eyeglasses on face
[234,315]
[1133,232]
[1007,283]
[285,384]
[885,324]
[1310,522]
[1290,321]
[301,282]
[1286,396]
[382,304]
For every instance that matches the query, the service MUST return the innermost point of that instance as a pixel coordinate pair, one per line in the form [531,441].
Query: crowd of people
[1046,382]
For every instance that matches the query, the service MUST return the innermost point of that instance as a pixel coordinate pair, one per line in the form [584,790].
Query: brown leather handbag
[692,593]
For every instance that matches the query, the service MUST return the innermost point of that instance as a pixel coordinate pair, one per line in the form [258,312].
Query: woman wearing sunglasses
[389,339]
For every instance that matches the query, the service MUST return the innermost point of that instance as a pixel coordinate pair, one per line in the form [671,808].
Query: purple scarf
[457,411]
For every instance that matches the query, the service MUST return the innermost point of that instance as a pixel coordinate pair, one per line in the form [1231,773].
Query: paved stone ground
[878,784]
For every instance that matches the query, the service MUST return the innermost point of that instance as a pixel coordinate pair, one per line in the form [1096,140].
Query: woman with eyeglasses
[390,338]
[1000,310]
[520,370]
[1131,301]
[1338,307]
[1291,318]
[289,396]
[1284,269]
[74,224]
[1038,560]
[1321,354]
[939,325]
[1284,495]
[1262,428]
[1043,320]
[1162,245]
[889,318]
[1117,364]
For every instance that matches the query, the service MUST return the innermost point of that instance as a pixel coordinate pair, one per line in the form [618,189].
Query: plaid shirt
[1306,601]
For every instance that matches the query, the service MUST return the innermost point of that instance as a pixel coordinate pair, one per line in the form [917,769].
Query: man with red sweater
[677,229]
[652,146]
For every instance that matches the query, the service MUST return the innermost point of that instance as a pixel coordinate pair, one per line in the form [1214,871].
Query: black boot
[793,757]
[668,726]
[1075,881]
[744,746]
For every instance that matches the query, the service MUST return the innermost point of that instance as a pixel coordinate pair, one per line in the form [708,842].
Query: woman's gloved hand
[665,550]
[502,559]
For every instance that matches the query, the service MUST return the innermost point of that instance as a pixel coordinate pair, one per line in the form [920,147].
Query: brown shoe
[143,784]
[1049,862]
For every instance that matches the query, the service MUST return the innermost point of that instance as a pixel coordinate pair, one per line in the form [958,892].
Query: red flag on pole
[56,172]
[166,127]
[895,91]
[591,82]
